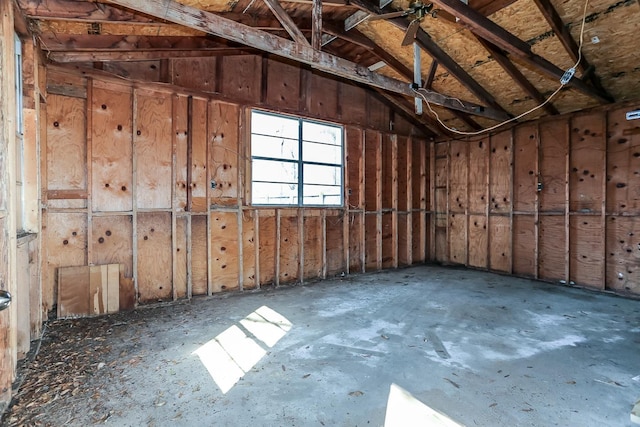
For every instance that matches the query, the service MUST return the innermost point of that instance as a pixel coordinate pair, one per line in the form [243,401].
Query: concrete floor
[480,348]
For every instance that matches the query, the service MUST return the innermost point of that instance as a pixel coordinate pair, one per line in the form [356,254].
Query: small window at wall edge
[295,161]
[18,84]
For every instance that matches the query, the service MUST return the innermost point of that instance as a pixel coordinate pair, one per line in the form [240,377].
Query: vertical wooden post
[536,214]
[409,182]
[379,202]
[174,175]
[394,199]
[316,24]
[134,191]
[300,213]
[324,243]
[487,208]
[567,219]
[512,195]
[432,200]
[603,208]
[89,136]
[277,257]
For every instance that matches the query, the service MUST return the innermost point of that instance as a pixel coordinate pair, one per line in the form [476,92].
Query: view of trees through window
[295,161]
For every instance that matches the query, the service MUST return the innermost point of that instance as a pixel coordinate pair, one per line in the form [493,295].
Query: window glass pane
[266,146]
[322,195]
[268,193]
[274,171]
[321,153]
[321,133]
[328,175]
[268,124]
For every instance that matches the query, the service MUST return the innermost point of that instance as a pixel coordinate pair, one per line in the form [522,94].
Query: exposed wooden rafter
[431,75]
[287,22]
[316,24]
[209,22]
[516,74]
[407,108]
[489,30]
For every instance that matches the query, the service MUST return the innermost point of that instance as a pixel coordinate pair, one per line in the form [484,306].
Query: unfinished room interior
[320,212]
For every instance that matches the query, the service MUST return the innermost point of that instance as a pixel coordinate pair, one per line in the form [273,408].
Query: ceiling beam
[562,32]
[191,17]
[516,75]
[104,42]
[144,55]
[316,24]
[489,30]
[287,22]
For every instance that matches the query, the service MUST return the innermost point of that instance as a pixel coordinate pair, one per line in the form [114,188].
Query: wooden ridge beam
[516,74]
[286,21]
[191,17]
[489,30]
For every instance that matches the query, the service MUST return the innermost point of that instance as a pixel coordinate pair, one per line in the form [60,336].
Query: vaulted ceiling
[480,63]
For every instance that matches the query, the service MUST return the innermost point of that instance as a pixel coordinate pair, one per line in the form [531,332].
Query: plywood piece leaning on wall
[587,243]
[458,176]
[478,170]
[112,243]
[289,261]
[553,165]
[525,168]
[500,167]
[111,139]
[88,290]
[457,238]
[623,254]
[154,257]
[552,238]
[153,149]
[239,79]
[283,84]
[224,149]
[587,157]
[248,250]
[335,244]
[500,243]
[623,164]
[224,251]
[354,165]
[524,245]
[267,245]
[312,245]
[199,255]
[356,248]
[66,143]
[199,142]
[478,241]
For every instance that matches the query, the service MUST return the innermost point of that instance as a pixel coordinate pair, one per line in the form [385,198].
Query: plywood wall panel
[457,239]
[478,170]
[180,256]
[525,168]
[372,236]
[389,169]
[195,73]
[623,164]
[312,246]
[200,257]
[289,250]
[199,152]
[586,240]
[458,176]
[241,77]
[478,241]
[441,207]
[388,241]
[441,245]
[377,113]
[66,143]
[420,233]
[500,243]
[524,245]
[224,251]
[354,166]
[372,170]
[405,233]
[224,138]
[248,251]
[586,174]
[404,171]
[552,253]
[355,243]
[553,165]
[335,244]
[420,185]
[623,254]
[322,97]
[112,242]
[501,175]
[153,150]
[154,245]
[180,129]
[112,151]
[353,101]
[267,248]
[283,84]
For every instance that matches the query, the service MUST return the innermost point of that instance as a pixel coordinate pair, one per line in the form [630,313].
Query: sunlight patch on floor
[404,410]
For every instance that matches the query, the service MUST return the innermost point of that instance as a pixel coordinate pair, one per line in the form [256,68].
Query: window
[19,136]
[295,161]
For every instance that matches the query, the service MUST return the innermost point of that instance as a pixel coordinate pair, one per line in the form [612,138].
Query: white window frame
[300,162]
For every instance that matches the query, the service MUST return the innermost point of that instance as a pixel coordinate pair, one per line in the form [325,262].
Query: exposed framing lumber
[408,109]
[205,21]
[431,75]
[516,74]
[286,21]
[489,30]
[141,55]
[316,24]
